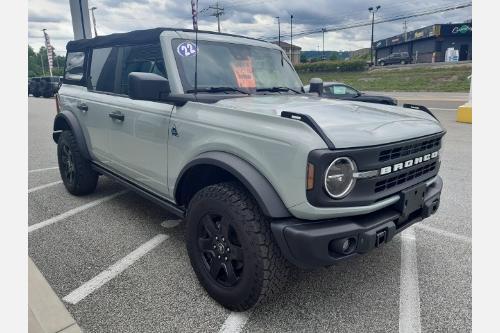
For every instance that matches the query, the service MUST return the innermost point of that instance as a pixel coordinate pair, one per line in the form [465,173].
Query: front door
[138,130]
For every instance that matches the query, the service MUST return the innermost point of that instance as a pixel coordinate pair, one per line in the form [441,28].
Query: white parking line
[235,322]
[41,187]
[409,296]
[97,282]
[41,170]
[445,233]
[72,212]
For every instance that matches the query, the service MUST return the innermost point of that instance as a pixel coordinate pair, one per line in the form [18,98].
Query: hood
[348,124]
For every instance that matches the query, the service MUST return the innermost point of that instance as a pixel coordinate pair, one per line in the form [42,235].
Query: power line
[358,24]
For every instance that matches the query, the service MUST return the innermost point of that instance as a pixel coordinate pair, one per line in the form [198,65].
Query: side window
[103,69]
[74,66]
[140,58]
[338,90]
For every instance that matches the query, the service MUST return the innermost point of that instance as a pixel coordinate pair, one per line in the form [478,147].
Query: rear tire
[76,172]
[231,247]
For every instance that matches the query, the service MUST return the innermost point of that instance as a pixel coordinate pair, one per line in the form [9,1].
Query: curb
[46,313]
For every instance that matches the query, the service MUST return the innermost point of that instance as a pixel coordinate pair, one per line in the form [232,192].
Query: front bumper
[310,244]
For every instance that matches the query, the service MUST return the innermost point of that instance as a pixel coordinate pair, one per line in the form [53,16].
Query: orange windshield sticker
[243,70]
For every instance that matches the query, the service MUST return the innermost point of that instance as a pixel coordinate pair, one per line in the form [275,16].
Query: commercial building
[429,44]
[295,53]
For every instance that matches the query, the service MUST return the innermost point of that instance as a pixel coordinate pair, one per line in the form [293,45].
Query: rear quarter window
[74,66]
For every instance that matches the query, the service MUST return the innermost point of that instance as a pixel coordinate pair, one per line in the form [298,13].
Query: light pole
[373,11]
[323,56]
[279,31]
[291,37]
[93,20]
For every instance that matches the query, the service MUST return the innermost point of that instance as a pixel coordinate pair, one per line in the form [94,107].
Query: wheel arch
[214,167]
[65,121]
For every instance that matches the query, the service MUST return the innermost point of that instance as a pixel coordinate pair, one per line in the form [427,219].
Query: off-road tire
[382,63]
[265,270]
[82,180]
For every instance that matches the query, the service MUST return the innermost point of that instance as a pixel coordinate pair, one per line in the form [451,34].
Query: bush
[332,66]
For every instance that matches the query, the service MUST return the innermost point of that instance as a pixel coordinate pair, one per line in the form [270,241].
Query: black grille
[391,154]
[405,177]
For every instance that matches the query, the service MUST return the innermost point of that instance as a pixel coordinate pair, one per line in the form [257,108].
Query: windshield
[235,67]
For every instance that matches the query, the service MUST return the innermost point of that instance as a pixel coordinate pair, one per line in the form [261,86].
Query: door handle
[83,107]
[117,115]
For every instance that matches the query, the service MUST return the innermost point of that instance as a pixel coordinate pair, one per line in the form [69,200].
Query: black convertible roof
[130,38]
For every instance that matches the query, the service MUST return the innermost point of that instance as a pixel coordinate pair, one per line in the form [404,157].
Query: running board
[171,207]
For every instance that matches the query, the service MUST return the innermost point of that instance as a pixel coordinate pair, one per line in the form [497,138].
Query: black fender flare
[258,185]
[67,121]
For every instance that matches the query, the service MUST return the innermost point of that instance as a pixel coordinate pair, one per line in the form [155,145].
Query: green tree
[35,63]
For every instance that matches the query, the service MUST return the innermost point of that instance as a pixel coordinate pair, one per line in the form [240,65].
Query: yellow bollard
[464,112]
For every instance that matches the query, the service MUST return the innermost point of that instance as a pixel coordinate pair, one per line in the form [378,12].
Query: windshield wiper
[279,89]
[218,89]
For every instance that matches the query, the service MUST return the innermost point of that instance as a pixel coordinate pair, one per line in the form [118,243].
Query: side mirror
[316,86]
[147,86]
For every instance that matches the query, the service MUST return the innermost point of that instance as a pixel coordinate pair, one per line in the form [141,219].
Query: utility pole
[405,28]
[291,37]
[217,13]
[93,20]
[323,56]
[372,11]
[279,31]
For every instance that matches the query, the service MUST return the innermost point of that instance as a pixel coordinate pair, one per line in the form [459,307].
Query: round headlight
[339,177]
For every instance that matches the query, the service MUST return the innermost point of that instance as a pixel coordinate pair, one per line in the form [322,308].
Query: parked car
[33,86]
[395,58]
[46,86]
[262,174]
[338,90]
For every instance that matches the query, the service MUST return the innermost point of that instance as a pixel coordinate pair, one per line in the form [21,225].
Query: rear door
[75,98]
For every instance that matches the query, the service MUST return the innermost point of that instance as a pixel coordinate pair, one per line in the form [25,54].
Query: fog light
[343,246]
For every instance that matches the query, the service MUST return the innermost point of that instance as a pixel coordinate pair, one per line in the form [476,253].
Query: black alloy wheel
[220,249]
[67,165]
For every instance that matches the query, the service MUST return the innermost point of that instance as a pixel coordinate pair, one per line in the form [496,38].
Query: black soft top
[129,38]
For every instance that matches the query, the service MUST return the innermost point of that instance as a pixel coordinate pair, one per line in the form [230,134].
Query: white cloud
[254,18]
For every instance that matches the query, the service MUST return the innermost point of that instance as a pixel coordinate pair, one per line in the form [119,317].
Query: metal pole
[291,37]
[373,11]
[371,43]
[93,20]
[279,31]
[323,56]
[218,16]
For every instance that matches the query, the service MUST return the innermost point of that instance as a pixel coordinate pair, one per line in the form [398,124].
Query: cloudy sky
[254,18]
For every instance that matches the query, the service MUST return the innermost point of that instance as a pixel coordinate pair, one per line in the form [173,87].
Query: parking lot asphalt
[424,281]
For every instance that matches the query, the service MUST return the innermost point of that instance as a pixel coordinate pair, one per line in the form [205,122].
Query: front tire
[76,172]
[231,247]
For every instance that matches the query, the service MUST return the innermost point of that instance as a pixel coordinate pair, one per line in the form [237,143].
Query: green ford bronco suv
[217,129]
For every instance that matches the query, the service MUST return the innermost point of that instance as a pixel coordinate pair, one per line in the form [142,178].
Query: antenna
[196,61]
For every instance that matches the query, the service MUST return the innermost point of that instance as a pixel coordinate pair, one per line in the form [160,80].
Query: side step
[170,206]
